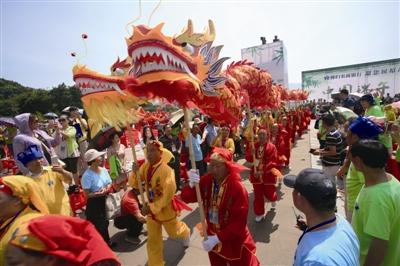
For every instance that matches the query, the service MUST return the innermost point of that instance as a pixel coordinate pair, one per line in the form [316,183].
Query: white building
[381,76]
[271,57]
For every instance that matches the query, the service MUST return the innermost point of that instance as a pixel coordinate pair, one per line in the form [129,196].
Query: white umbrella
[176,116]
[67,109]
[51,115]
[345,112]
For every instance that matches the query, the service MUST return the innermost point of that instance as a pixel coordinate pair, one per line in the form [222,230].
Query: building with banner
[381,76]
[271,57]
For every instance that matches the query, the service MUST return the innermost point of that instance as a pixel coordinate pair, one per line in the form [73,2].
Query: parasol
[7,121]
[345,112]
[51,115]
[102,139]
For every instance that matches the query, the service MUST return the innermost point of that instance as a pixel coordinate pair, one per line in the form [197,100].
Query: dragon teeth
[87,85]
[168,62]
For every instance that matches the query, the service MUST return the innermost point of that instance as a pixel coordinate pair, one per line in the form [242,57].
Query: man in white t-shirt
[328,238]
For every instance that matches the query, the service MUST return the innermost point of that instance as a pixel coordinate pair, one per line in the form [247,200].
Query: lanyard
[215,191]
[150,172]
[316,227]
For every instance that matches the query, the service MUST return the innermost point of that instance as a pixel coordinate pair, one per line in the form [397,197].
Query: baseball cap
[30,154]
[365,128]
[92,154]
[313,184]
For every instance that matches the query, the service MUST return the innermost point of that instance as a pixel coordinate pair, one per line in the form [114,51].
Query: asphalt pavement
[276,236]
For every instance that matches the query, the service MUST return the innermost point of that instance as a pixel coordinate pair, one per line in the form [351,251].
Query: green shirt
[376,110]
[377,214]
[71,141]
[398,154]
[322,131]
[11,132]
[354,182]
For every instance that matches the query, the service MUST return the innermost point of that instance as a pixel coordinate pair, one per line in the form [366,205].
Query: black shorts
[71,164]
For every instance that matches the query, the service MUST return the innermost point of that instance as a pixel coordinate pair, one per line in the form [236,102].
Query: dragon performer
[184,69]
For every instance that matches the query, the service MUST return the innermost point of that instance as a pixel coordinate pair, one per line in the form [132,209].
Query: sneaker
[259,218]
[273,205]
[186,242]
[133,240]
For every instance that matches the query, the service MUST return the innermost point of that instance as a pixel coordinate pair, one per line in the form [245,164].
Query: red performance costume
[280,139]
[75,241]
[226,207]
[287,147]
[264,185]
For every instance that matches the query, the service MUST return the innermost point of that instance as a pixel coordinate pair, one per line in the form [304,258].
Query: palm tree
[278,56]
[309,81]
[328,92]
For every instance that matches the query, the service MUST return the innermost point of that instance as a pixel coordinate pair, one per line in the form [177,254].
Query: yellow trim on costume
[217,157]
[241,251]
[23,238]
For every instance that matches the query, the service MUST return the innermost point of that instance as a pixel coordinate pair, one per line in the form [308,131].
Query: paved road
[276,236]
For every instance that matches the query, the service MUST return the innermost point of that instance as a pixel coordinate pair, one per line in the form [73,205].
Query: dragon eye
[118,71]
[189,48]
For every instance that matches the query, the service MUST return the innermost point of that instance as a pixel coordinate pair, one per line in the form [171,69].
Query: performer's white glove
[210,243]
[194,177]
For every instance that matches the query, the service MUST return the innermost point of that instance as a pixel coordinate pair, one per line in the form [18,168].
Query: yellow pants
[155,248]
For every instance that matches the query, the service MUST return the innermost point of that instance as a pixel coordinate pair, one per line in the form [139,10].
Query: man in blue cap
[361,128]
[49,179]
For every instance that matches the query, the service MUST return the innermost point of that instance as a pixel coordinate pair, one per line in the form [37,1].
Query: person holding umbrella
[52,122]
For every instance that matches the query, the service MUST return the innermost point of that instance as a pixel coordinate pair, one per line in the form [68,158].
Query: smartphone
[54,160]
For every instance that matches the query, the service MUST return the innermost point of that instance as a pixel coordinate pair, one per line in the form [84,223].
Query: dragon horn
[186,32]
[209,32]
[189,29]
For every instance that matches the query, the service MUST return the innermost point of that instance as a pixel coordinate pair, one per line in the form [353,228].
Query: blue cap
[30,154]
[365,128]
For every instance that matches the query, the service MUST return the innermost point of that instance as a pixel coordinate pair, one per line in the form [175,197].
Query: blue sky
[37,37]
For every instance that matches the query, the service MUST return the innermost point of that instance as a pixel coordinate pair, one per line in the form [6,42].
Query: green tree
[16,99]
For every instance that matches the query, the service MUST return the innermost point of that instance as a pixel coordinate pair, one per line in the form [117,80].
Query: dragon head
[104,96]
[188,57]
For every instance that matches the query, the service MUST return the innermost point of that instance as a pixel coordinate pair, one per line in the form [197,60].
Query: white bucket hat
[93,154]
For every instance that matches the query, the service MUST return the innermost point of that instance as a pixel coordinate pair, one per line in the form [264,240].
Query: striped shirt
[334,138]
